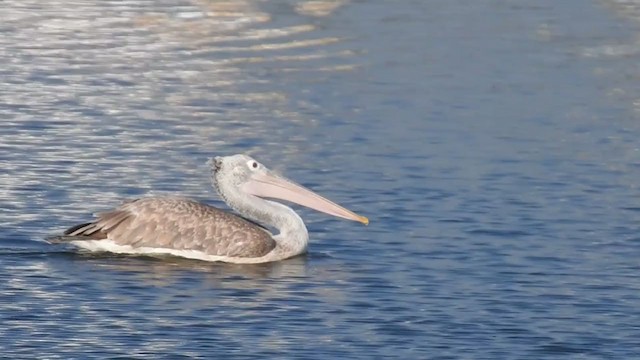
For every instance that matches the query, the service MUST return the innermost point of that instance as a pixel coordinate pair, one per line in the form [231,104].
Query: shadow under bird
[187,228]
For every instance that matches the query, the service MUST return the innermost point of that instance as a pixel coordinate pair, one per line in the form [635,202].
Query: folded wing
[176,223]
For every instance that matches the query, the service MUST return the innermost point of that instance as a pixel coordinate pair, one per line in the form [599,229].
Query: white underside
[110,246]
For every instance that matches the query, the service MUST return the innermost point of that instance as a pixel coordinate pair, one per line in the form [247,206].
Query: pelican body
[187,228]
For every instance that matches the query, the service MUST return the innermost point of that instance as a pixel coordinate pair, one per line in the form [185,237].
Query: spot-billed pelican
[187,228]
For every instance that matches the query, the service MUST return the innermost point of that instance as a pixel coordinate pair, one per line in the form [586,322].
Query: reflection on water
[150,269]
[94,91]
[620,47]
[108,302]
[490,143]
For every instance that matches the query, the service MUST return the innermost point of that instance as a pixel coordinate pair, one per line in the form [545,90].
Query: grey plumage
[183,227]
[176,223]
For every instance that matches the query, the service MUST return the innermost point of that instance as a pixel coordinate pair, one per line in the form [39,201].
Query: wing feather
[178,223]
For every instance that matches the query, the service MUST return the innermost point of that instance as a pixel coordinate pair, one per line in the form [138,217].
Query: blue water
[492,144]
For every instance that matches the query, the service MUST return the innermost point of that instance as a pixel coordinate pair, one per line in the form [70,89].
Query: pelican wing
[179,224]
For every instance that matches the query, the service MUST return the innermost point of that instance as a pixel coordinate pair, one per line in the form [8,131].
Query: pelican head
[242,179]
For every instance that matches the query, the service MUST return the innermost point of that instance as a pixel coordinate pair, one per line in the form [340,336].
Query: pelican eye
[253,164]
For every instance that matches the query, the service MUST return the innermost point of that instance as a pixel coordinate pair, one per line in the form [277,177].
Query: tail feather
[85,231]
[79,229]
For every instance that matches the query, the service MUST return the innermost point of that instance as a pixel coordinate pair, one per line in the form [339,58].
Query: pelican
[183,227]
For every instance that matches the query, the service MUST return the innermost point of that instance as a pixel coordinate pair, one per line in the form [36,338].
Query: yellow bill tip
[363,220]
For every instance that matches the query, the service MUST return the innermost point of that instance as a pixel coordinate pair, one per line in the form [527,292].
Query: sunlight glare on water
[492,145]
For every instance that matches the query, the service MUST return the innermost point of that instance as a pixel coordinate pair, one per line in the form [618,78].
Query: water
[493,145]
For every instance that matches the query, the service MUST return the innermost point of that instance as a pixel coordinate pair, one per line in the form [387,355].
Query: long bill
[271,186]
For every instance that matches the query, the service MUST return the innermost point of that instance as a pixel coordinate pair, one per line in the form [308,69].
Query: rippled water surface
[492,144]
